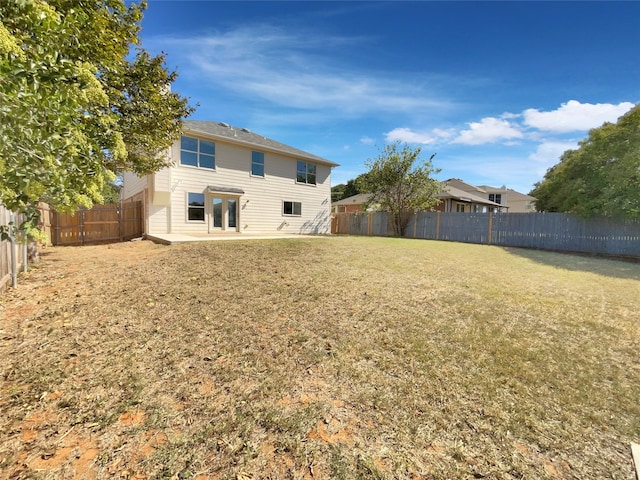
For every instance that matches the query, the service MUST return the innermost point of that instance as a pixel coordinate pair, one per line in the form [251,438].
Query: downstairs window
[292,208]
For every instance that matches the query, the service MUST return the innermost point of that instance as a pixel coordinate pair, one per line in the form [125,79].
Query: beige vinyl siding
[162,186]
[159,217]
[261,205]
[521,206]
[132,184]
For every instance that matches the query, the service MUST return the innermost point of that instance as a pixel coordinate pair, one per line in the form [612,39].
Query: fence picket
[545,231]
[100,224]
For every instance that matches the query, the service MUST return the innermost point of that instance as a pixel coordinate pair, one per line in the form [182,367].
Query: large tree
[601,177]
[400,182]
[74,107]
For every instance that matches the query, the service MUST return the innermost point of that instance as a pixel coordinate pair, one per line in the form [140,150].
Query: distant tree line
[351,188]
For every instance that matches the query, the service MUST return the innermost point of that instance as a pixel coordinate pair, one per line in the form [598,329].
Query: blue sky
[498,90]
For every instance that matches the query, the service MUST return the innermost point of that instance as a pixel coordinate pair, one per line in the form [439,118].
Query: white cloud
[367,141]
[407,135]
[549,152]
[443,133]
[295,70]
[488,130]
[575,116]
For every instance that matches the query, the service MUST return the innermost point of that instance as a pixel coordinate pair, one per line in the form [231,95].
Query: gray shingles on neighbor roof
[457,194]
[354,200]
[246,137]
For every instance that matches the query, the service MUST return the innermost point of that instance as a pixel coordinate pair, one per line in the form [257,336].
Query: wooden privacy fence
[546,231]
[100,224]
[13,256]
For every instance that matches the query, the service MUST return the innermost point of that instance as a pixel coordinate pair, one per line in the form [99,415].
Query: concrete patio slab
[175,238]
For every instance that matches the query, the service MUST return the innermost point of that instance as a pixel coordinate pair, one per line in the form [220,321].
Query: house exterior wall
[260,207]
[515,201]
[132,184]
[521,205]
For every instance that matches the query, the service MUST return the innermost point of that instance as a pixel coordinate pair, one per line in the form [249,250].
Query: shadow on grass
[628,268]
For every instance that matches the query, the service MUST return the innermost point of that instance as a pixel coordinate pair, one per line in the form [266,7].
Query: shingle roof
[513,194]
[354,199]
[457,194]
[246,137]
[447,192]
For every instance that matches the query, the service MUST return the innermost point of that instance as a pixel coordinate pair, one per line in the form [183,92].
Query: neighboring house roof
[244,136]
[467,187]
[456,189]
[513,194]
[464,186]
[354,200]
[449,191]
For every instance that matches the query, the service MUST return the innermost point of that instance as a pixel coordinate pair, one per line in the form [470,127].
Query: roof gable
[464,186]
[243,136]
[358,199]
[513,194]
[464,196]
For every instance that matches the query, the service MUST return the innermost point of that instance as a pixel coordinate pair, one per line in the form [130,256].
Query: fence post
[369,224]
[121,222]
[490,228]
[415,224]
[81,212]
[438,226]
[56,228]
[12,244]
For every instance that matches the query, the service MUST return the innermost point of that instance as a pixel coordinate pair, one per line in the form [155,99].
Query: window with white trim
[197,153]
[495,197]
[293,209]
[195,207]
[305,172]
[257,164]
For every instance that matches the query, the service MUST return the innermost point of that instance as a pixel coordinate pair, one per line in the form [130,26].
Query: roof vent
[222,124]
[246,130]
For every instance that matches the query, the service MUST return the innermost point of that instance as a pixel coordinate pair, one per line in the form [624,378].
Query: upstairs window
[306,172]
[257,164]
[495,197]
[197,153]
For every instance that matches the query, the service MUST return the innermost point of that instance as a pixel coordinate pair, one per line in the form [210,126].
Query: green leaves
[601,177]
[400,183]
[69,98]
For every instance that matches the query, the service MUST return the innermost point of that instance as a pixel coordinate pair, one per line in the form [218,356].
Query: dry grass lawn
[319,358]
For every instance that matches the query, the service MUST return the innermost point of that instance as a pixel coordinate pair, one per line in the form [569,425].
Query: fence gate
[100,224]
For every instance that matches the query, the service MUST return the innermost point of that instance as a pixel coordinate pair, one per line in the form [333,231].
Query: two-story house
[506,198]
[229,179]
